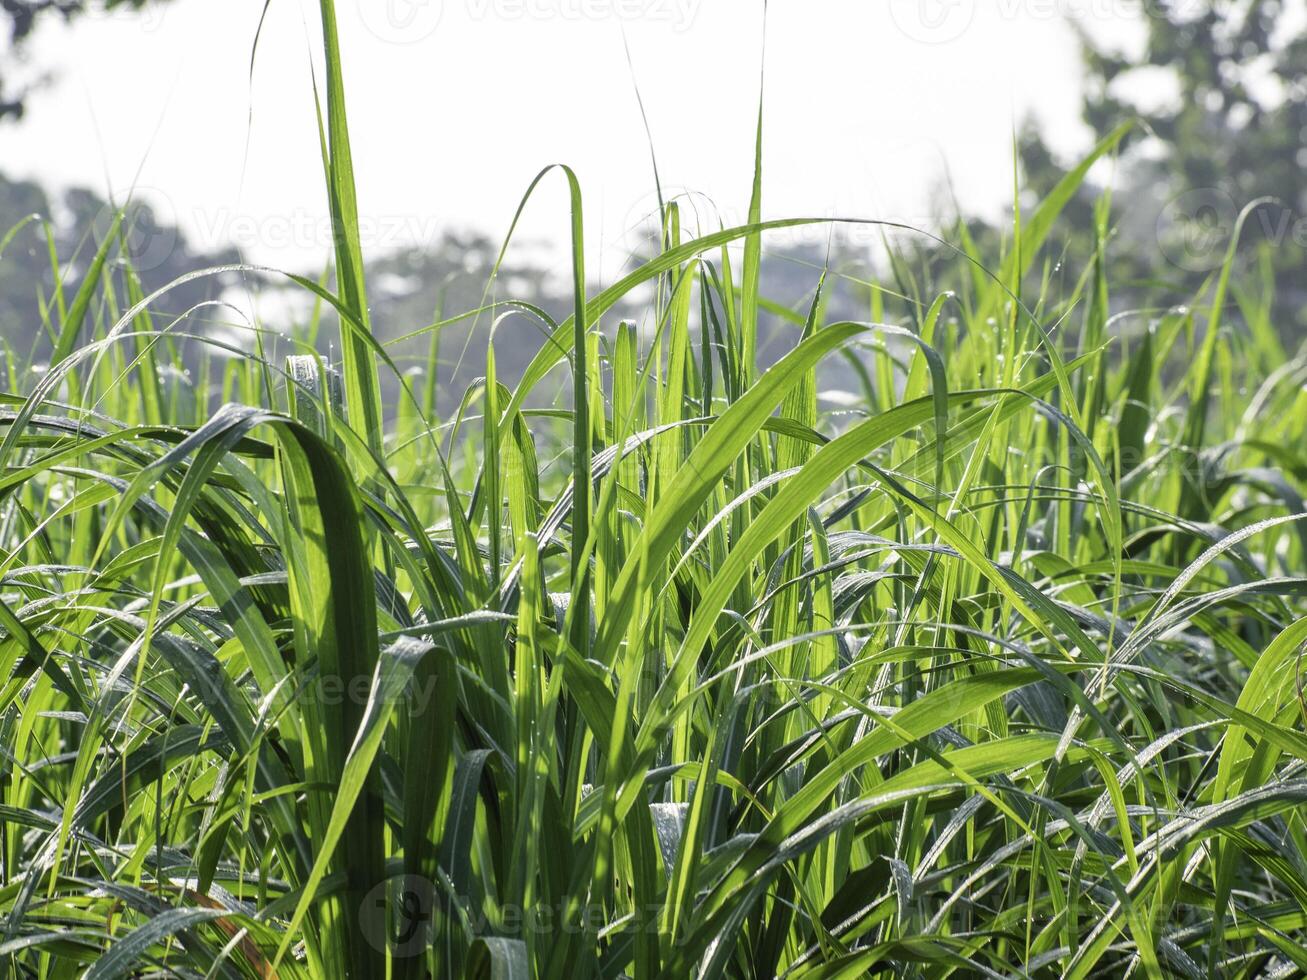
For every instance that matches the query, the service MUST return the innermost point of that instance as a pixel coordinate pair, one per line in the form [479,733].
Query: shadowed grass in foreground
[995,673]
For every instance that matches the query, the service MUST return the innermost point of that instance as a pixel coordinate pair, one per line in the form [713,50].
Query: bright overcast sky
[455,105]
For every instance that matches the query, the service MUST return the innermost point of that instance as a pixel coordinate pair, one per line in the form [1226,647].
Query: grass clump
[996,673]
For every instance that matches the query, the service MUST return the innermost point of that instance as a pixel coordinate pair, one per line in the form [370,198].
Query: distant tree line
[1235,131]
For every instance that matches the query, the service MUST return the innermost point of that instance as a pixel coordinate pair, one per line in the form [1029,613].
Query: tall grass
[996,673]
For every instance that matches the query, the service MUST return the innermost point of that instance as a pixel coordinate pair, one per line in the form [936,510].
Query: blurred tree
[75,223]
[411,289]
[23,16]
[1237,116]
[1220,88]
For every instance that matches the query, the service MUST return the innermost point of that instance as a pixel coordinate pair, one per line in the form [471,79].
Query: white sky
[455,105]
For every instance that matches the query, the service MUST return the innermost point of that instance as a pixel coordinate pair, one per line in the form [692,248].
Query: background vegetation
[660,657]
